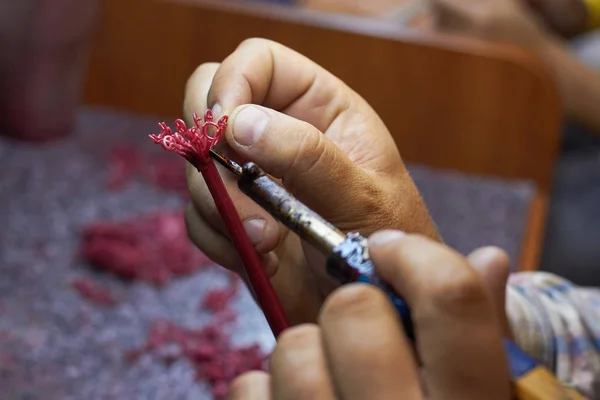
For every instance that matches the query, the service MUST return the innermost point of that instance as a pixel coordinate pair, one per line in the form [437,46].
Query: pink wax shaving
[169,174]
[214,359]
[124,163]
[128,163]
[92,292]
[152,248]
[209,350]
[217,300]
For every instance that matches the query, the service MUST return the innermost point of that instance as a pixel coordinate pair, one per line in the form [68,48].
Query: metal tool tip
[227,162]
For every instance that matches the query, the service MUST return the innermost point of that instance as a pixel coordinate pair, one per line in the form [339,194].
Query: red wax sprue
[194,144]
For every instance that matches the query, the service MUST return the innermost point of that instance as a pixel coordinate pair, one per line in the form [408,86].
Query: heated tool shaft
[348,256]
[283,206]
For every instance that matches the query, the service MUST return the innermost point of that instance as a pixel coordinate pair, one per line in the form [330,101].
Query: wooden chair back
[449,102]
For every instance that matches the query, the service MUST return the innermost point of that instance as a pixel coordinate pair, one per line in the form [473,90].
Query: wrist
[578,86]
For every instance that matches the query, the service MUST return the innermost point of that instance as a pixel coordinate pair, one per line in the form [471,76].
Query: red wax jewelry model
[194,144]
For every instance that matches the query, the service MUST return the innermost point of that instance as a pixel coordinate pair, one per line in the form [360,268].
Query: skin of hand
[506,21]
[322,141]
[565,17]
[358,350]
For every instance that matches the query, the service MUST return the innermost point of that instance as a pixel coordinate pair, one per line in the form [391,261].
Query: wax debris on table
[127,163]
[168,173]
[46,322]
[124,163]
[216,300]
[208,349]
[152,248]
[91,291]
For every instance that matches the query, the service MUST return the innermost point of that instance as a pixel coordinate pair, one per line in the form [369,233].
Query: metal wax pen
[348,256]
[283,206]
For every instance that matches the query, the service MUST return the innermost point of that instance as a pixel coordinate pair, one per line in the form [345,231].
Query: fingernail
[255,229]
[384,237]
[249,125]
[216,109]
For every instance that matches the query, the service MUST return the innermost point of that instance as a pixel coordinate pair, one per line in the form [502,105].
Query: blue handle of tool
[350,262]
[399,304]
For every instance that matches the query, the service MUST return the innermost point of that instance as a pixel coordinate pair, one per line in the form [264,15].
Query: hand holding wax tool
[348,261]
[348,257]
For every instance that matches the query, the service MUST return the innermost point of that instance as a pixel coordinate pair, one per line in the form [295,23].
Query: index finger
[457,331]
[263,72]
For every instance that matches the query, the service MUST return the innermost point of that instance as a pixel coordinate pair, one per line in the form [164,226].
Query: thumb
[493,265]
[309,164]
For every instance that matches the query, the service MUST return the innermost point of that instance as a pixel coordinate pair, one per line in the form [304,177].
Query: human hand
[566,17]
[506,21]
[359,350]
[325,144]
[512,22]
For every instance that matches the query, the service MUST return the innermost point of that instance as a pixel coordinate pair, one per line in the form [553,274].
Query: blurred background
[91,210]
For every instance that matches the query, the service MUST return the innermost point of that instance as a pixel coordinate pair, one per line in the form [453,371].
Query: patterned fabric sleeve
[558,323]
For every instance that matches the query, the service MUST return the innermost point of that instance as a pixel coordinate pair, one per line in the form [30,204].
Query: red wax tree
[194,144]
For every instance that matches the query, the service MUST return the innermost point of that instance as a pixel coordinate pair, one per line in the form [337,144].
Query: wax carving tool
[348,261]
[348,257]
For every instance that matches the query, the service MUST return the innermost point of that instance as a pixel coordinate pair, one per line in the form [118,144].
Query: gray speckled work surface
[56,345]
[472,211]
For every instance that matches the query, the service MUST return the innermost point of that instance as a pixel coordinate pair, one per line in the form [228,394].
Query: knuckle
[253,42]
[352,300]
[310,154]
[312,147]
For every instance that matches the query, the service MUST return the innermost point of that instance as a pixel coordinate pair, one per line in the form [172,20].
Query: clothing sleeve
[558,323]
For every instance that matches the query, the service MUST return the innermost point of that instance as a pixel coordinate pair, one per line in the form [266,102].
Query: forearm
[579,85]
[558,323]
